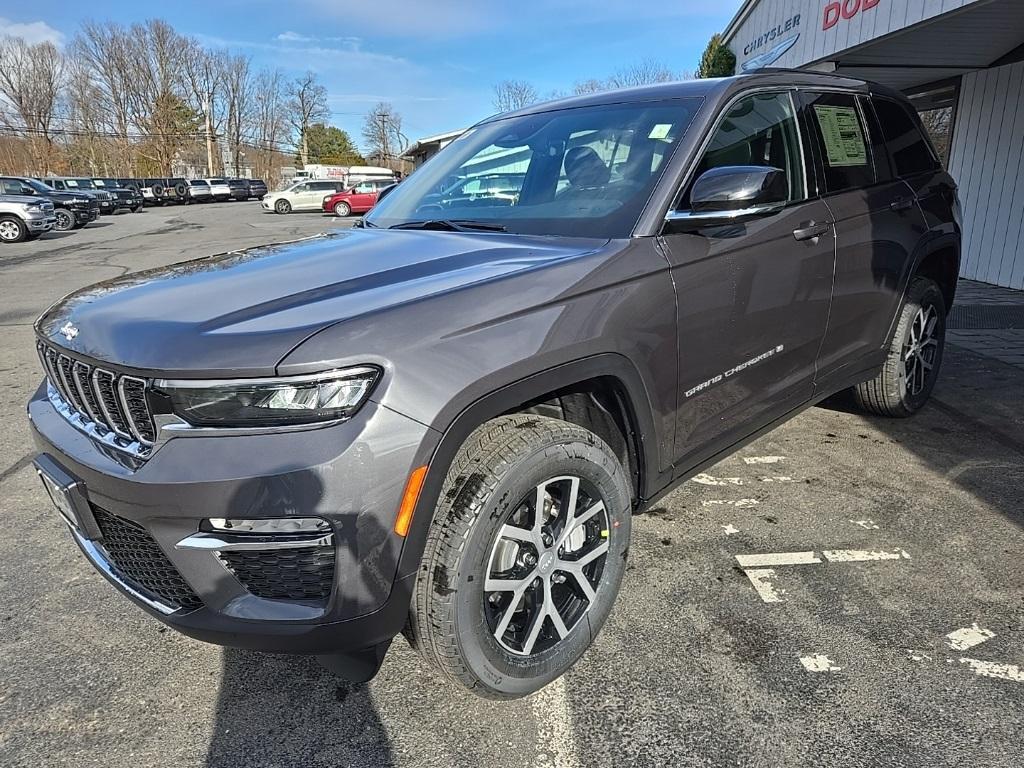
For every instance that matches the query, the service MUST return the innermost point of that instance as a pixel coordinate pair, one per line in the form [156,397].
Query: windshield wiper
[451,225]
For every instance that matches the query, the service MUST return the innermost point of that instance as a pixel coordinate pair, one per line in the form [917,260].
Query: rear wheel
[342,209]
[524,556]
[283,206]
[915,354]
[12,230]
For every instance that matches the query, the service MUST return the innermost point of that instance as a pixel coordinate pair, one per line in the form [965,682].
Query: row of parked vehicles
[31,207]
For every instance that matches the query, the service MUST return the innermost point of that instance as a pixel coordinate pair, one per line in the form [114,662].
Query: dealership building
[962,64]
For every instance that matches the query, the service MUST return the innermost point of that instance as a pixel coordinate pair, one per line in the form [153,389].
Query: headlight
[273,402]
[32,206]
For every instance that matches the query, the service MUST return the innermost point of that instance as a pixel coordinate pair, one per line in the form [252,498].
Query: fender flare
[938,241]
[440,455]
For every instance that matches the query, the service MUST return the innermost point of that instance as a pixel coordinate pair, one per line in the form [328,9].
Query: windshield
[80,183]
[584,172]
[38,186]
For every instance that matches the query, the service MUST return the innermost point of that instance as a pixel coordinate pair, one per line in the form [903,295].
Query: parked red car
[359,199]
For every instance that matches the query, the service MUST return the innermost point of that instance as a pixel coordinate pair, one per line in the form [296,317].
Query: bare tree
[513,94]
[270,123]
[238,91]
[31,79]
[204,72]
[646,72]
[382,133]
[106,51]
[307,103]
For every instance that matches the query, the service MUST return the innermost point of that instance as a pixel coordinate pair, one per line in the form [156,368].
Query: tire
[282,206]
[65,220]
[158,192]
[136,208]
[492,489]
[12,229]
[912,365]
[182,190]
[342,209]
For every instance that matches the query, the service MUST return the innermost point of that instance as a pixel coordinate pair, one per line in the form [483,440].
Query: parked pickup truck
[440,422]
[24,217]
[71,210]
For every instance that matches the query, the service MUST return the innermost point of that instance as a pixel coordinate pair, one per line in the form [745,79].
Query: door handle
[902,203]
[812,231]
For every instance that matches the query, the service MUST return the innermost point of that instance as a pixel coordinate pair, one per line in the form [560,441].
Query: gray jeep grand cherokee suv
[439,423]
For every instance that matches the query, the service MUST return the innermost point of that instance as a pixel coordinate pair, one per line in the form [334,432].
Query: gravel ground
[916,524]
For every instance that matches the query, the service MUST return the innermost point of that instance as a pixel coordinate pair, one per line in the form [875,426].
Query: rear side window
[838,131]
[907,145]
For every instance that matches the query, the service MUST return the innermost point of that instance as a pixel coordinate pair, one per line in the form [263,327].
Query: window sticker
[660,131]
[844,141]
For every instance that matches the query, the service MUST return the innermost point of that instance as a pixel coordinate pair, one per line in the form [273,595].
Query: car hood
[240,313]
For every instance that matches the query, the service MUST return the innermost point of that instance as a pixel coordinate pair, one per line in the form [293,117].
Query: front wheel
[342,209]
[64,220]
[524,556]
[915,354]
[12,230]
[283,206]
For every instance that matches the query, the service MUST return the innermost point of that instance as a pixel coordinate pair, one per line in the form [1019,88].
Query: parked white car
[301,196]
[199,191]
[219,189]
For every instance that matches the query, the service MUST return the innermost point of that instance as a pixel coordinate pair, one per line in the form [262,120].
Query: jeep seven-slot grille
[139,560]
[113,404]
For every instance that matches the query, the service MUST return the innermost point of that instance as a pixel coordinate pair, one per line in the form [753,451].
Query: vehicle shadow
[278,710]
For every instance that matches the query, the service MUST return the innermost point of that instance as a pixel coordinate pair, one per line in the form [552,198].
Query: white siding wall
[986,160]
[816,43]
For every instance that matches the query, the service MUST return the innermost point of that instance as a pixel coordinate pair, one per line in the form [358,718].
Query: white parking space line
[968,637]
[705,479]
[730,529]
[777,558]
[763,459]
[862,555]
[738,503]
[819,663]
[761,578]
[777,479]
[1009,672]
[554,727]
[867,525]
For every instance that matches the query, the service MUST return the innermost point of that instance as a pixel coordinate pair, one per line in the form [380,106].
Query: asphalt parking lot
[845,591]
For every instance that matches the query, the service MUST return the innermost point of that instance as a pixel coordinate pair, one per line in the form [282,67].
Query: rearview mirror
[731,194]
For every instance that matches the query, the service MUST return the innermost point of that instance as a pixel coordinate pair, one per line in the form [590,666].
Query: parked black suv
[257,188]
[239,189]
[127,196]
[71,210]
[443,420]
[83,186]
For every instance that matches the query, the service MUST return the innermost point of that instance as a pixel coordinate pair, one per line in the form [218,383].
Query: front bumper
[40,223]
[351,474]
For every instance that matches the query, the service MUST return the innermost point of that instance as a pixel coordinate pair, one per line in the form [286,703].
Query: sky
[436,62]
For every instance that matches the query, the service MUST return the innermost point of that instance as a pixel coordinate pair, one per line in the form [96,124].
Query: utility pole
[209,140]
[386,155]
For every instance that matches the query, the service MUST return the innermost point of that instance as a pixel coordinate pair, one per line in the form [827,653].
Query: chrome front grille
[110,406]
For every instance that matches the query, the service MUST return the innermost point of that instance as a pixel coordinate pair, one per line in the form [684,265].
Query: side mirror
[386,191]
[731,194]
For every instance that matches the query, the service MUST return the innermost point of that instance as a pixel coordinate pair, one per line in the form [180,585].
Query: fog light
[268,526]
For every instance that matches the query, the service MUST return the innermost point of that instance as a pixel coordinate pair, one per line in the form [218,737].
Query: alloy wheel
[9,231]
[545,565]
[64,220]
[920,350]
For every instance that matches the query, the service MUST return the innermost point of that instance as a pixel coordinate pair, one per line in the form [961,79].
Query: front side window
[907,145]
[582,172]
[14,187]
[842,141]
[759,130]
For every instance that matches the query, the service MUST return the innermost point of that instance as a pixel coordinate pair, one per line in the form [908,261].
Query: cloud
[31,32]
[294,37]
